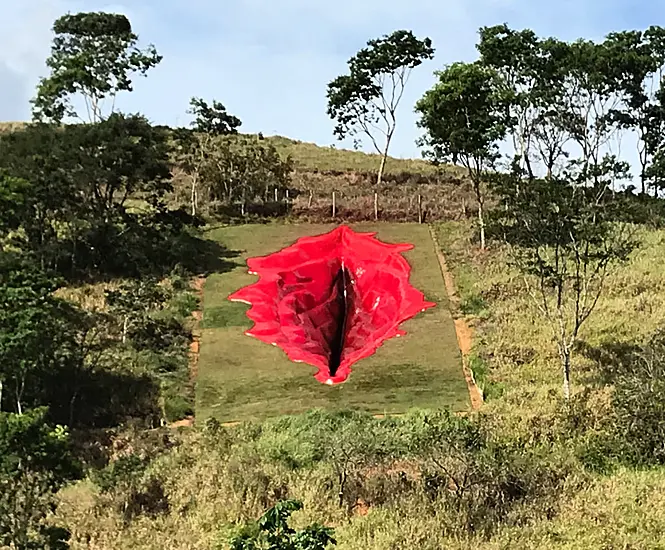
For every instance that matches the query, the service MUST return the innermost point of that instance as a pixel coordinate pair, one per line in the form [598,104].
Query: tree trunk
[565,360]
[384,158]
[382,167]
[193,197]
[481,214]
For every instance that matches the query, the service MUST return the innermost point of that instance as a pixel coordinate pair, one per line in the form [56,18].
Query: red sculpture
[332,299]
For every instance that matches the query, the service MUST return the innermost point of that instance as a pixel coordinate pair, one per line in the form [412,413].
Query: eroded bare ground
[197,286]
[462,327]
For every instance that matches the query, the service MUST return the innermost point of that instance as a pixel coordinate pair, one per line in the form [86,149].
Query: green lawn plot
[241,378]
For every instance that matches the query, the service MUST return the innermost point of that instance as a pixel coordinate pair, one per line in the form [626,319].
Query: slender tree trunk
[382,167]
[193,197]
[565,364]
[384,158]
[481,213]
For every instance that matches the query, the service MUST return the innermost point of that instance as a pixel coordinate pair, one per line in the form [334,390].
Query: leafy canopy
[366,99]
[212,119]
[463,115]
[94,55]
[273,532]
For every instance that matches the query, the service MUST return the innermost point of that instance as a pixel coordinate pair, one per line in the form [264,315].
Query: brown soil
[462,328]
[197,286]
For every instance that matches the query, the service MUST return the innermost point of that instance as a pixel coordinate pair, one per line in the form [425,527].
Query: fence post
[420,209]
[286,197]
[333,204]
[309,202]
[276,199]
[376,206]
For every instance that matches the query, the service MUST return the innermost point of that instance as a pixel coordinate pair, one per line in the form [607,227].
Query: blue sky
[269,61]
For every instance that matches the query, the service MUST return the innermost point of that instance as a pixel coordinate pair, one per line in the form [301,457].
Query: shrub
[638,405]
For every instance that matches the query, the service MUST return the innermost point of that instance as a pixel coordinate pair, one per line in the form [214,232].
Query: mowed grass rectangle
[241,378]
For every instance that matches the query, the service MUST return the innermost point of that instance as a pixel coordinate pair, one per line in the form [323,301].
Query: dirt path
[197,287]
[462,328]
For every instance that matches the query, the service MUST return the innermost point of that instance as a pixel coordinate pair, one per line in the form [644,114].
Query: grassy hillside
[445,192]
[214,478]
[312,157]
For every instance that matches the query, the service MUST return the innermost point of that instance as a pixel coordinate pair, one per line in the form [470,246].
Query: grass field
[241,378]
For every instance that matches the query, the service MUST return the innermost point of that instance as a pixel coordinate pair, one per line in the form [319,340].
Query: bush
[638,405]
[478,481]
[35,461]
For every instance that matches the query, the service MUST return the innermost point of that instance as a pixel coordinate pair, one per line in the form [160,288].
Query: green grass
[241,378]
[309,156]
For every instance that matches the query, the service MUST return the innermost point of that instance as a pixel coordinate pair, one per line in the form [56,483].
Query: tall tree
[465,117]
[564,238]
[532,71]
[93,55]
[366,99]
[638,59]
[212,118]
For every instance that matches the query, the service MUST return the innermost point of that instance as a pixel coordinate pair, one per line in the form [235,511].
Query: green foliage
[242,169]
[274,532]
[74,218]
[35,461]
[14,193]
[563,238]
[638,405]
[37,333]
[212,119]
[366,99]
[94,55]
[464,116]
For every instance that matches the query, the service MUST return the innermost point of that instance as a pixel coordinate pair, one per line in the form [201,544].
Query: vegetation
[93,54]
[105,224]
[464,116]
[366,99]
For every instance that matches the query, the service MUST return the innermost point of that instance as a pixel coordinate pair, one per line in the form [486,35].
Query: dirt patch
[195,346]
[197,286]
[462,328]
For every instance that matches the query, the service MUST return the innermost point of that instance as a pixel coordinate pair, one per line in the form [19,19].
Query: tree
[564,238]
[35,461]
[37,333]
[464,116]
[117,158]
[193,147]
[366,99]
[133,301]
[531,71]
[14,193]
[274,533]
[81,175]
[241,168]
[94,55]
[639,61]
[212,119]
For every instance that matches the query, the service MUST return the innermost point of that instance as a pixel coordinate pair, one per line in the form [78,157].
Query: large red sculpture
[332,299]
